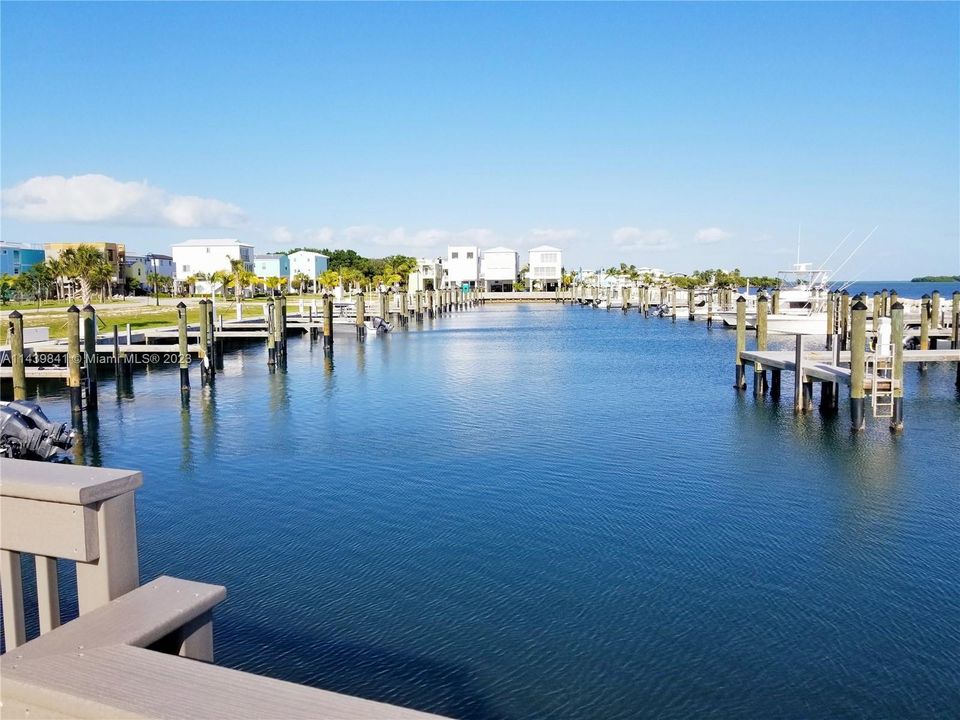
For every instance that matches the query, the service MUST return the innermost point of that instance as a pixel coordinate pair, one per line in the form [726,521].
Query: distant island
[937,278]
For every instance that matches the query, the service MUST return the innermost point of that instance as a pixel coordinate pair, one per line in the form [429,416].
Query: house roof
[547,248]
[307,252]
[211,242]
[269,256]
[500,249]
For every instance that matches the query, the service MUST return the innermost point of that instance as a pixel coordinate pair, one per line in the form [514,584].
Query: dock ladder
[880,368]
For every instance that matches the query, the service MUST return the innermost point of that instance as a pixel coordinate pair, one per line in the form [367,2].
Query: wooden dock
[819,364]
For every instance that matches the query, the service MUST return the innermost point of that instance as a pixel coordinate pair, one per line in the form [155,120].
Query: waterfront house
[139,268]
[428,275]
[209,256]
[16,259]
[309,263]
[546,268]
[113,253]
[499,267]
[462,266]
[272,265]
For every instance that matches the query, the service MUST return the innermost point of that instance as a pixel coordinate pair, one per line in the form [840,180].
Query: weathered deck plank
[140,618]
[124,681]
[72,484]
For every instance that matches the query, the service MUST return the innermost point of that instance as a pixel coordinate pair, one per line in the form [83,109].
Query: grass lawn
[139,317]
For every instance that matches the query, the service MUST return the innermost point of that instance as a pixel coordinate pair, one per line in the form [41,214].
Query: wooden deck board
[140,617]
[71,484]
[124,681]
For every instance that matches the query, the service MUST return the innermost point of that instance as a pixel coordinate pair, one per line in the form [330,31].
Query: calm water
[555,512]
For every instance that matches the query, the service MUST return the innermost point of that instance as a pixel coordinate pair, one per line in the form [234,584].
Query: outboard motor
[381,325]
[27,434]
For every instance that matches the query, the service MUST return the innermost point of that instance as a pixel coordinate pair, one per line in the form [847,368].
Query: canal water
[554,512]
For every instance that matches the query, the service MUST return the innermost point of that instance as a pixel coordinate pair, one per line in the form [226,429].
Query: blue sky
[678,135]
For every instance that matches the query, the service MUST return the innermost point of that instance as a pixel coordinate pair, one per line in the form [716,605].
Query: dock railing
[119,658]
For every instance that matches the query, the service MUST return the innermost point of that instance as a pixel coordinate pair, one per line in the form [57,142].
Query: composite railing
[134,650]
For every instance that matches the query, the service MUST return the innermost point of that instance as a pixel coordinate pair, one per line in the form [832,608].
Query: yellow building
[113,253]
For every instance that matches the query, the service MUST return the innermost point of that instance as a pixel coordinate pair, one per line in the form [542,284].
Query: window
[208,249]
[454,256]
[469,256]
[547,258]
[186,268]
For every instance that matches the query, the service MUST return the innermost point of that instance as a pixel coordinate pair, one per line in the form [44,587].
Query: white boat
[802,304]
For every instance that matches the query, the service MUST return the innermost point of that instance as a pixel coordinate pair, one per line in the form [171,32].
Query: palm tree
[350,277]
[221,278]
[329,279]
[240,278]
[87,266]
[274,283]
[300,280]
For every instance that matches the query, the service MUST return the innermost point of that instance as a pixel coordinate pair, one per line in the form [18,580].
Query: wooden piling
[270,317]
[328,324]
[894,298]
[925,315]
[710,311]
[404,310]
[673,304]
[759,373]
[116,350]
[740,382]
[204,355]
[935,310]
[361,313]
[955,321]
[279,330]
[691,304]
[831,319]
[885,303]
[384,303]
[212,342]
[844,319]
[896,322]
[799,397]
[775,302]
[858,343]
[418,306]
[90,355]
[73,359]
[17,359]
[183,349]
[877,312]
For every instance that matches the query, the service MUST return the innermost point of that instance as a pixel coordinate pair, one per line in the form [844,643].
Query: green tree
[86,266]
[300,281]
[221,278]
[329,280]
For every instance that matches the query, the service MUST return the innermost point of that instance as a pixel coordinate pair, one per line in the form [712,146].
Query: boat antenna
[799,226]
[856,277]
[835,251]
[869,235]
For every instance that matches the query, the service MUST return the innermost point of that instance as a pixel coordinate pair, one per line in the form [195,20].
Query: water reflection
[186,439]
[86,445]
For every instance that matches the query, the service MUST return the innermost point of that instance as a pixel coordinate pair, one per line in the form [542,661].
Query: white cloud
[553,235]
[634,237]
[281,235]
[709,235]
[105,200]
